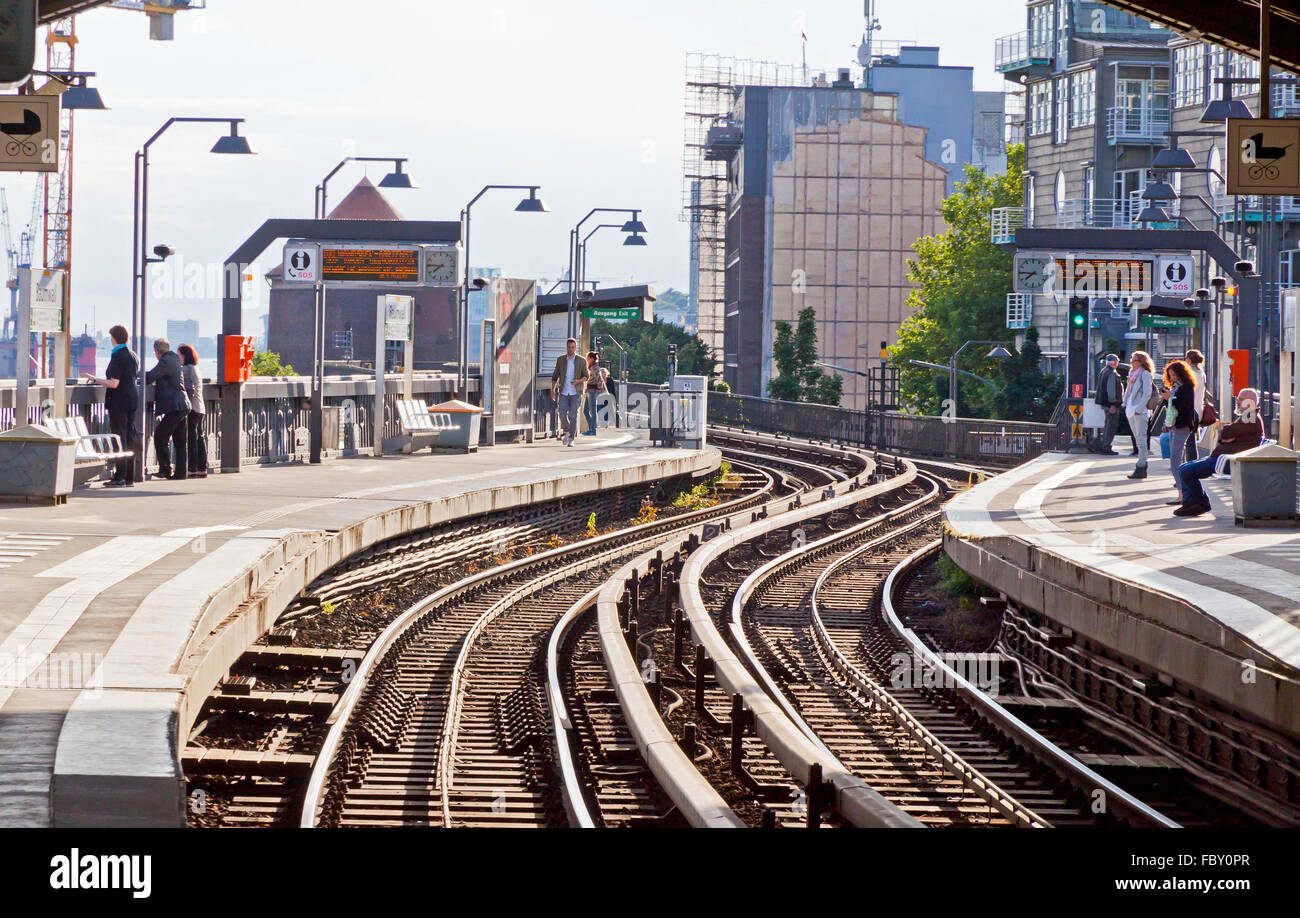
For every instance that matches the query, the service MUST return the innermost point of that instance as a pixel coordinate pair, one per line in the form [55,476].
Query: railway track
[446,722]
[808,695]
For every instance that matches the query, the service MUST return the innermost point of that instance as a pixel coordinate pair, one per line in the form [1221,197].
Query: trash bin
[36,464]
[458,425]
[1264,486]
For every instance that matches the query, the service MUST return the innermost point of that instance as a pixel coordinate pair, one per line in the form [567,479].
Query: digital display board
[1119,276]
[362,264]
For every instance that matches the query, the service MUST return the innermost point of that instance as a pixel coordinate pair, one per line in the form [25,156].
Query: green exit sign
[1148,321]
[612,313]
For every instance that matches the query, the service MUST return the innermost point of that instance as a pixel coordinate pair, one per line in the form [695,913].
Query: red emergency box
[235,358]
[1239,368]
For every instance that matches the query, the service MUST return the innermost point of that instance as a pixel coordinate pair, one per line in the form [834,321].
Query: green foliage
[798,378]
[954,581]
[961,281]
[1027,392]
[647,349]
[267,363]
[671,306]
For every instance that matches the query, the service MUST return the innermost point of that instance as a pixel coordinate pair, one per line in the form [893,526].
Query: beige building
[828,221]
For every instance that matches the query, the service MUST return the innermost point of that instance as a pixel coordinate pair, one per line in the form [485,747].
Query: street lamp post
[232,143]
[531,205]
[633,226]
[395,179]
[999,352]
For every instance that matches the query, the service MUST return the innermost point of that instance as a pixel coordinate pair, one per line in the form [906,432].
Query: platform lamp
[232,143]
[395,179]
[529,205]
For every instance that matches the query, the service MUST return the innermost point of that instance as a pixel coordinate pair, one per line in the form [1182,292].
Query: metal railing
[1020,310]
[1138,123]
[1021,49]
[276,413]
[966,439]
[1101,213]
[1287,206]
[1003,223]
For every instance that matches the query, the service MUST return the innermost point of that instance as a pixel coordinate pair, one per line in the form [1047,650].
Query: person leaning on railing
[121,398]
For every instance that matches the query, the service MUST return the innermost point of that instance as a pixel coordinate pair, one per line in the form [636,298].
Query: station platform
[121,610]
[1198,600]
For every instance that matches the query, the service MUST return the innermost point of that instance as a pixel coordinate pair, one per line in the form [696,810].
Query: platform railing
[989,442]
[276,413]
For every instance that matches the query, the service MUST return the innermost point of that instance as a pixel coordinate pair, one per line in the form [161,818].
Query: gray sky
[584,98]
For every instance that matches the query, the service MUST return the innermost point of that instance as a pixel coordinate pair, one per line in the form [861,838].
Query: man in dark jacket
[170,401]
[122,399]
[568,384]
[1110,395]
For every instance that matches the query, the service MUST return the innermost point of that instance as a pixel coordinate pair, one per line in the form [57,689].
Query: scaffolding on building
[712,81]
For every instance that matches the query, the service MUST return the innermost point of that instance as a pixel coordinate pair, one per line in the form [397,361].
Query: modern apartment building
[1105,92]
[828,187]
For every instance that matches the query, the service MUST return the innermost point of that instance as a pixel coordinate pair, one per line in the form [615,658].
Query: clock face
[439,267]
[1031,273]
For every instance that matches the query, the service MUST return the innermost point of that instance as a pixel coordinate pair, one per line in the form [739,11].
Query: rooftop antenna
[804,39]
[872,24]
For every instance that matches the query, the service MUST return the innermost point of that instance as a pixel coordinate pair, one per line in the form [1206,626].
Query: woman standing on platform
[595,389]
[196,441]
[1180,415]
[1196,363]
[1136,398]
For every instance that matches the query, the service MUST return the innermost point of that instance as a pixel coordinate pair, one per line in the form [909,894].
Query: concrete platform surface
[1199,599]
[122,609]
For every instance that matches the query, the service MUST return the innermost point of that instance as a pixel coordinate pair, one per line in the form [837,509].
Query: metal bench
[93,452]
[418,428]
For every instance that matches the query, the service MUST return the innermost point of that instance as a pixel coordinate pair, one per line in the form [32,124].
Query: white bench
[93,451]
[419,429]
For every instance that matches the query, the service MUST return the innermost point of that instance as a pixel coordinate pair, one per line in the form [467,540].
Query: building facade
[829,191]
[1105,92]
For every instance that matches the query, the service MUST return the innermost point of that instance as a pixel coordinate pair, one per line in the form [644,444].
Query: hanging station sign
[372,264]
[1074,274]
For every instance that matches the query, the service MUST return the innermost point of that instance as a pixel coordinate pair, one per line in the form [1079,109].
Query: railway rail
[445,722]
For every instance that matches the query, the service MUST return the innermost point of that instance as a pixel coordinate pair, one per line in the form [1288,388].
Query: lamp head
[1220,110]
[635,239]
[1159,191]
[1000,353]
[634,226]
[233,142]
[164,251]
[1246,268]
[531,204]
[1203,293]
[1175,159]
[78,96]
[397,178]
[1218,282]
[1153,214]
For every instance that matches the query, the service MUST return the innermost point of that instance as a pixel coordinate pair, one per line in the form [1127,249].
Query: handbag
[1208,414]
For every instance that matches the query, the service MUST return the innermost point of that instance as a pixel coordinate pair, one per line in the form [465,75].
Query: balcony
[1020,54]
[1003,223]
[1138,123]
[1286,207]
[1284,100]
[1020,310]
[1098,213]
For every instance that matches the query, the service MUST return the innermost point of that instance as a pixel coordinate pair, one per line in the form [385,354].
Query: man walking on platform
[122,400]
[569,379]
[1110,395]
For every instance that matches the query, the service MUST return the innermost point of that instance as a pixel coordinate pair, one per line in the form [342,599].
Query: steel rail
[1080,775]
[854,799]
[339,718]
[950,761]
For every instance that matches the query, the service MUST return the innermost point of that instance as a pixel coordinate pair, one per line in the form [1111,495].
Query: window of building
[1089,184]
[1030,202]
[1040,28]
[1061,93]
[1040,108]
[1058,192]
[1214,184]
[1083,98]
[1189,75]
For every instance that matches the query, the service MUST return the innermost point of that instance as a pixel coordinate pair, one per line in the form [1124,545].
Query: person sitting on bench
[1246,432]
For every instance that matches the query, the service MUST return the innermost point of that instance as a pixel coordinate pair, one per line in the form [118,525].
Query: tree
[1028,394]
[267,363]
[647,349]
[798,378]
[961,281]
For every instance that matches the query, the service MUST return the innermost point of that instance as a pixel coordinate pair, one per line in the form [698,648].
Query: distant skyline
[584,98]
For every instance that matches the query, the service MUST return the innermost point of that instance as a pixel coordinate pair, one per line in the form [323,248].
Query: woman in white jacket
[1136,397]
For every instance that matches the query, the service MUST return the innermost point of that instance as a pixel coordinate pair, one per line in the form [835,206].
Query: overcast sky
[583,98]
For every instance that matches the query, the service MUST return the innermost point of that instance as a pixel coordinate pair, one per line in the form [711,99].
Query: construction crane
[11,268]
[161,13]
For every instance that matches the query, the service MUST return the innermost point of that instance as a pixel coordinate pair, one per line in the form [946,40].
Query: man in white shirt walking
[569,380]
